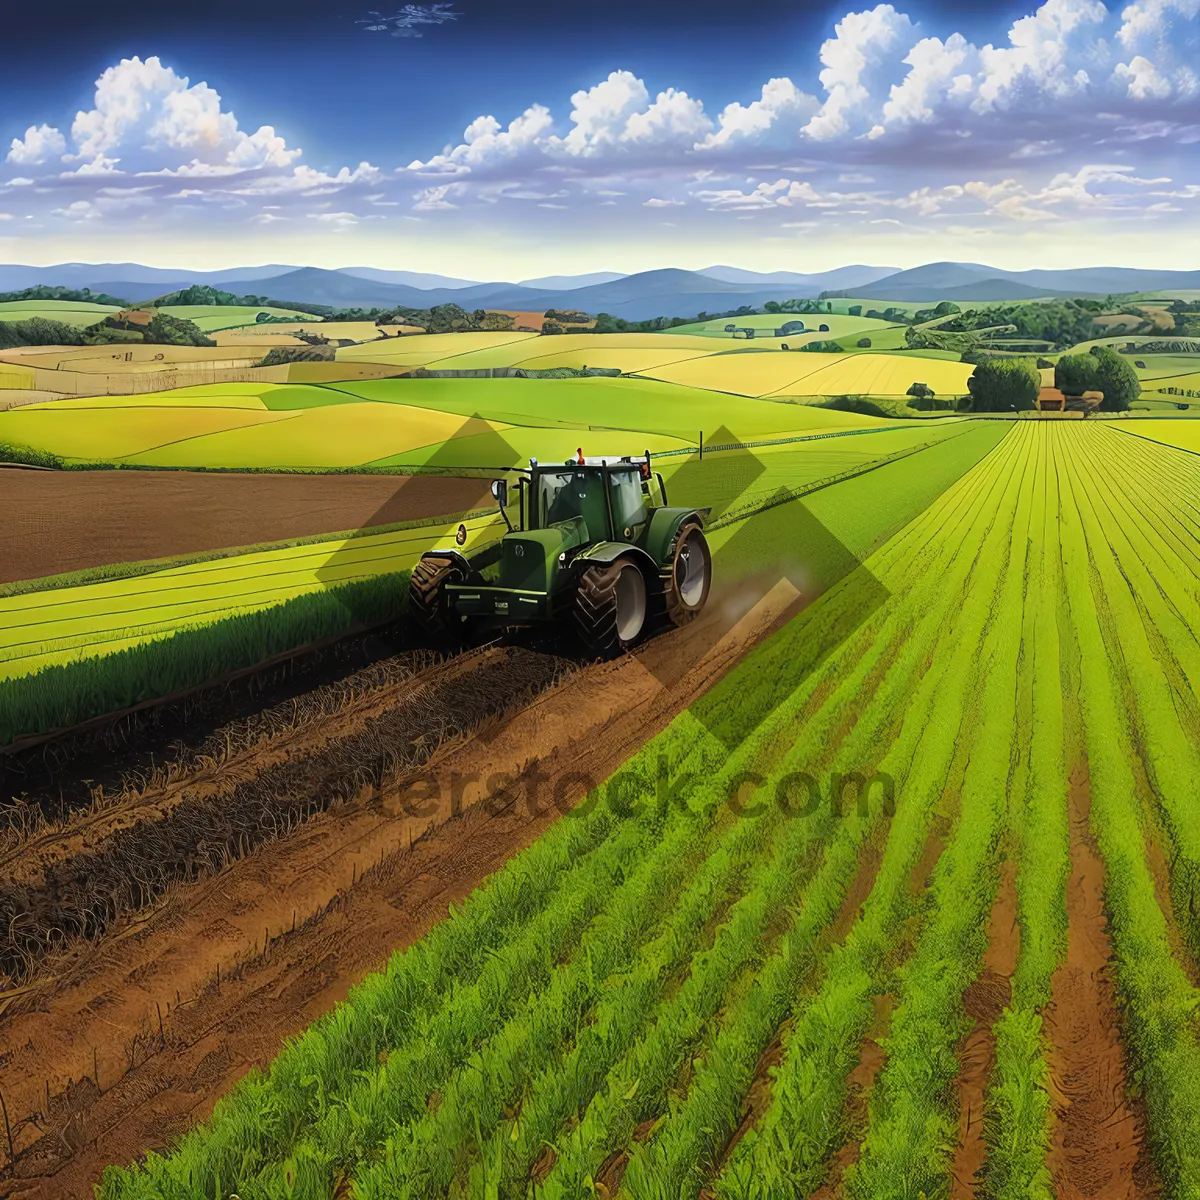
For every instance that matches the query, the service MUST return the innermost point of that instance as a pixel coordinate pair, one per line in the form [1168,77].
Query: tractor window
[559,498]
[628,501]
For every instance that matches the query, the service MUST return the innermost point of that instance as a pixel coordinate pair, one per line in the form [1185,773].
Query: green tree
[864,343]
[1116,379]
[772,306]
[448,318]
[549,327]
[166,330]
[38,331]
[1004,385]
[1075,374]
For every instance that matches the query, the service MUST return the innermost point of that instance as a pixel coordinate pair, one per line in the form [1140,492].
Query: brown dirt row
[372,880]
[1099,1143]
[984,1001]
[234,752]
[59,521]
[128,866]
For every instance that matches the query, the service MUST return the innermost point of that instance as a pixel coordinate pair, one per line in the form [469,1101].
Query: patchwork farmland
[875,880]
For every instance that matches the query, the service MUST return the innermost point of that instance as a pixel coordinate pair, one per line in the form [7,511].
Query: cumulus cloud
[1143,78]
[863,42]
[781,102]
[39,143]
[1042,54]
[937,71]
[485,140]
[143,107]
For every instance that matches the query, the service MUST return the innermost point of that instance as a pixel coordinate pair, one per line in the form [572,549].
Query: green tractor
[595,546]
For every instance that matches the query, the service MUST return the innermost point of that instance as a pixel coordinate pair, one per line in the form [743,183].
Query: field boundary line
[1156,442]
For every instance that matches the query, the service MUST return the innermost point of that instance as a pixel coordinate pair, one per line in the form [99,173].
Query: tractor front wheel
[610,608]
[687,575]
[427,600]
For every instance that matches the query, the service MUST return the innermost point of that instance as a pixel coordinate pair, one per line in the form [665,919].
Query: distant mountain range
[973,281]
[669,292]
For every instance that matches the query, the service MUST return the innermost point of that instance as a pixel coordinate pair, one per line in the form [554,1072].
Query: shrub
[1044,364]
[1116,379]
[856,404]
[824,346]
[1004,385]
[823,329]
[279,356]
[864,343]
[549,327]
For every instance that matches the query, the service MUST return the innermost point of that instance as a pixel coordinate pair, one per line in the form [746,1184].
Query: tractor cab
[612,496]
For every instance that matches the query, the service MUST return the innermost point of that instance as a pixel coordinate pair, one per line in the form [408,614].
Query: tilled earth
[161,940]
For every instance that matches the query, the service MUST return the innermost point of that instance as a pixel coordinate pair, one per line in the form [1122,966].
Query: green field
[610,995]
[69,312]
[50,628]
[839,325]
[226,316]
[398,422]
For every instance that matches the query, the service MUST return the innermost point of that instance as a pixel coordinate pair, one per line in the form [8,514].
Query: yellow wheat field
[343,435]
[110,432]
[799,374]
[423,348]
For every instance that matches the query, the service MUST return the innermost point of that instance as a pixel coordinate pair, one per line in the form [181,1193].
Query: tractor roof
[612,462]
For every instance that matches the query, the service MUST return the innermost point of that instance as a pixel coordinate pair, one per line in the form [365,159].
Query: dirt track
[1099,1137]
[134,515]
[329,901]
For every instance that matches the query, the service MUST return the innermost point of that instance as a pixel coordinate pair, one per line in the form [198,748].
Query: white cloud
[39,143]
[485,140]
[658,202]
[781,99]
[1142,79]
[673,117]
[78,210]
[935,72]
[145,107]
[306,181]
[434,198]
[1151,20]
[599,114]
[782,193]
[862,41]
[1039,56]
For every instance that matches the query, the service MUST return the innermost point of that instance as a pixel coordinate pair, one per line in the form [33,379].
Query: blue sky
[508,143]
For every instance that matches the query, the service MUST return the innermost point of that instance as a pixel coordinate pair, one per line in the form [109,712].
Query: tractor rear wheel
[427,600]
[687,575]
[610,608]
